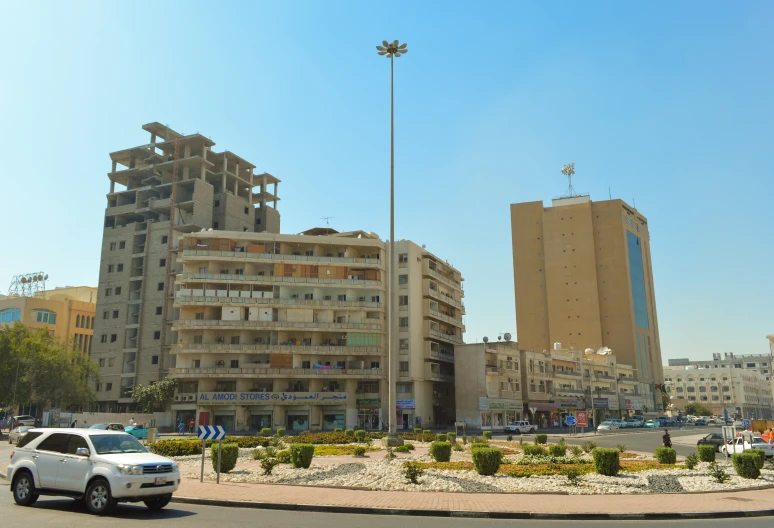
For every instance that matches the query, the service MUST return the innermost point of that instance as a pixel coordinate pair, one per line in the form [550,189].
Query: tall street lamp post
[391,50]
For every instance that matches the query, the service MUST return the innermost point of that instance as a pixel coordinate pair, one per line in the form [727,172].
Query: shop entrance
[298,421]
[259,421]
[332,421]
[225,420]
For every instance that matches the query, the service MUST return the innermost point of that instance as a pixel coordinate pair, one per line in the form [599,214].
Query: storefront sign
[613,404]
[365,402]
[635,404]
[580,419]
[272,398]
[568,404]
[404,404]
[601,403]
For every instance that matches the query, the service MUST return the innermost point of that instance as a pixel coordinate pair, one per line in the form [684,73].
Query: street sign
[746,423]
[570,420]
[580,419]
[212,432]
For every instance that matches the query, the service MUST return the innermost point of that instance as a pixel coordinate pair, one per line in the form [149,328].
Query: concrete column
[236,181]
[225,170]
[204,165]
[250,187]
[153,137]
[276,193]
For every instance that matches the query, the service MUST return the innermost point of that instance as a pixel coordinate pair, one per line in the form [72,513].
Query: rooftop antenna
[609,193]
[327,220]
[569,170]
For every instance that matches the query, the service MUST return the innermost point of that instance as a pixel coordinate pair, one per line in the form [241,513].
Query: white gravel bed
[386,475]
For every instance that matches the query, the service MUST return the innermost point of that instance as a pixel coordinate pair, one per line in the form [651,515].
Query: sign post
[571,422]
[211,432]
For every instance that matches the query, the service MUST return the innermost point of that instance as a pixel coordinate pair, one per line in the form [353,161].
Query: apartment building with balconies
[430,326]
[171,185]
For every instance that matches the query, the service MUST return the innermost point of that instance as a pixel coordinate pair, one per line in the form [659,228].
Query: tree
[665,399]
[156,396]
[697,409]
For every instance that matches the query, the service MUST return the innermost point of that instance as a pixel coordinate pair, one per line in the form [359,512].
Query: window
[106,314]
[112,246]
[121,245]
[404,366]
[234,340]
[108,387]
[101,362]
[108,292]
[246,209]
[115,314]
[162,263]
[403,258]
[45,316]
[751,365]
[404,344]
[160,286]
[234,363]
[342,297]
[402,279]
[10,315]
[199,316]
[120,267]
[164,239]
[196,363]
[158,310]
[118,290]
[239,271]
[197,340]
[154,360]
[404,388]
[56,443]
[215,225]
[404,322]
[103,338]
[403,300]
[637,280]
[367,387]
[113,338]
[110,268]
[306,364]
[157,334]
[99,387]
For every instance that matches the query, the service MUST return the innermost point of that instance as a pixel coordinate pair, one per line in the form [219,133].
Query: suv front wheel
[98,498]
[158,502]
[24,489]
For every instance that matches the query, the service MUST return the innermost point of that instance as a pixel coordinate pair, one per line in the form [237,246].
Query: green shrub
[440,451]
[228,457]
[576,451]
[534,450]
[267,464]
[589,446]
[451,437]
[464,439]
[409,446]
[403,449]
[761,454]
[509,438]
[488,435]
[606,461]
[417,430]
[338,430]
[574,477]
[258,455]
[350,433]
[283,457]
[706,453]
[557,450]
[270,451]
[420,437]
[666,455]
[280,432]
[717,472]
[478,445]
[541,439]
[487,460]
[276,441]
[390,453]
[457,446]
[412,471]
[621,448]
[427,435]
[266,431]
[691,461]
[359,451]
[746,465]
[175,448]
[301,455]
[360,435]
[442,437]
[322,438]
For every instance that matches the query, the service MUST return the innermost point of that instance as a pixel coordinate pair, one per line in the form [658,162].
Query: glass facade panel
[9,315]
[637,278]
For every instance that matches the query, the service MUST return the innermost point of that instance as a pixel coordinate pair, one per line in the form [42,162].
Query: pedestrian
[131,421]
[191,426]
[74,424]
[181,428]
[666,439]
[84,425]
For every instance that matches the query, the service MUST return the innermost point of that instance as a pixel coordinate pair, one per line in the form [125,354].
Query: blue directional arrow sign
[746,423]
[212,432]
[570,420]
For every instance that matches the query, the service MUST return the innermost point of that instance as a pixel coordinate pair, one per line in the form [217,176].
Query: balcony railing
[445,298]
[443,278]
[441,356]
[269,279]
[491,369]
[281,349]
[183,300]
[192,254]
[567,373]
[182,372]
[443,336]
[437,376]
[186,324]
[446,318]
[569,391]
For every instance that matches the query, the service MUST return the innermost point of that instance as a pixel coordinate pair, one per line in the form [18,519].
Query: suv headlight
[128,469]
[174,467]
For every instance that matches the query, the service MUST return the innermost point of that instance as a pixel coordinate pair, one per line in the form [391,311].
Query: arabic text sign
[272,398]
[580,419]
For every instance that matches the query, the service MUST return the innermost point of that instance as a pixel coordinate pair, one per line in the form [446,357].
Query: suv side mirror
[82,451]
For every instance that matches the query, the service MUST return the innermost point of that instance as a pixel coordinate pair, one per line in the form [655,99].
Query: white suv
[521,427]
[100,467]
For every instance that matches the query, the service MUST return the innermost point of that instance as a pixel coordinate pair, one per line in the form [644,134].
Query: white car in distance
[608,425]
[739,445]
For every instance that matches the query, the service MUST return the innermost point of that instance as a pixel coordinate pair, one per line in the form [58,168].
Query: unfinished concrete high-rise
[174,184]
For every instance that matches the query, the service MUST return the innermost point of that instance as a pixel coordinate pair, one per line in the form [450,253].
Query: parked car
[633,423]
[700,421]
[713,439]
[739,444]
[739,424]
[18,433]
[24,419]
[102,468]
[652,424]
[108,427]
[137,431]
[608,425]
[521,427]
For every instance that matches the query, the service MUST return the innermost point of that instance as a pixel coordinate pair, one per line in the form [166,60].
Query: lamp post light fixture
[391,50]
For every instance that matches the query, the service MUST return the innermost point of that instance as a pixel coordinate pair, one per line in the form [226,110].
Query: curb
[474,514]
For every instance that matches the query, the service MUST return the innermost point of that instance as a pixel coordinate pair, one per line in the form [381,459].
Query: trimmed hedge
[403,449]
[359,451]
[706,453]
[666,455]
[541,438]
[488,435]
[440,451]
[283,457]
[228,457]
[451,437]
[301,455]
[761,454]
[487,460]
[442,437]
[534,450]
[478,445]
[557,450]
[417,430]
[606,461]
[266,431]
[360,435]
[350,433]
[746,465]
[419,437]
[280,432]
[175,448]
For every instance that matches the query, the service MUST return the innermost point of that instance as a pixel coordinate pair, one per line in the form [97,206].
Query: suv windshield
[106,444]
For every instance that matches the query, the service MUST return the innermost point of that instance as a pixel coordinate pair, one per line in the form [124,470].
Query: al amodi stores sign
[272,398]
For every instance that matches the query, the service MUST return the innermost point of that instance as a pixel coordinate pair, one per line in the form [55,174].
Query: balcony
[198,348]
[443,336]
[438,354]
[268,372]
[574,392]
[191,324]
[630,381]
[235,298]
[437,376]
[269,279]
[443,297]
[443,317]
[491,370]
[241,256]
[447,279]
[567,374]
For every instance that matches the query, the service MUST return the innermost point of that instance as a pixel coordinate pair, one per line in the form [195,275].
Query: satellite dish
[499,337]
[486,339]
[604,351]
[507,336]
[423,246]
[589,351]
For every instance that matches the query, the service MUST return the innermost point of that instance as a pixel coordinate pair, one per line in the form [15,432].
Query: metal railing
[285,349]
[182,300]
[311,325]
[276,372]
[219,277]
[278,257]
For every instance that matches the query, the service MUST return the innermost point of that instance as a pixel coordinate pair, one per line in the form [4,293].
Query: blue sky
[667,104]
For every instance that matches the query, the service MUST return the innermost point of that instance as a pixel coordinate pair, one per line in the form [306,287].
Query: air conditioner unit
[192,398]
[177,397]
[327,298]
[361,299]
